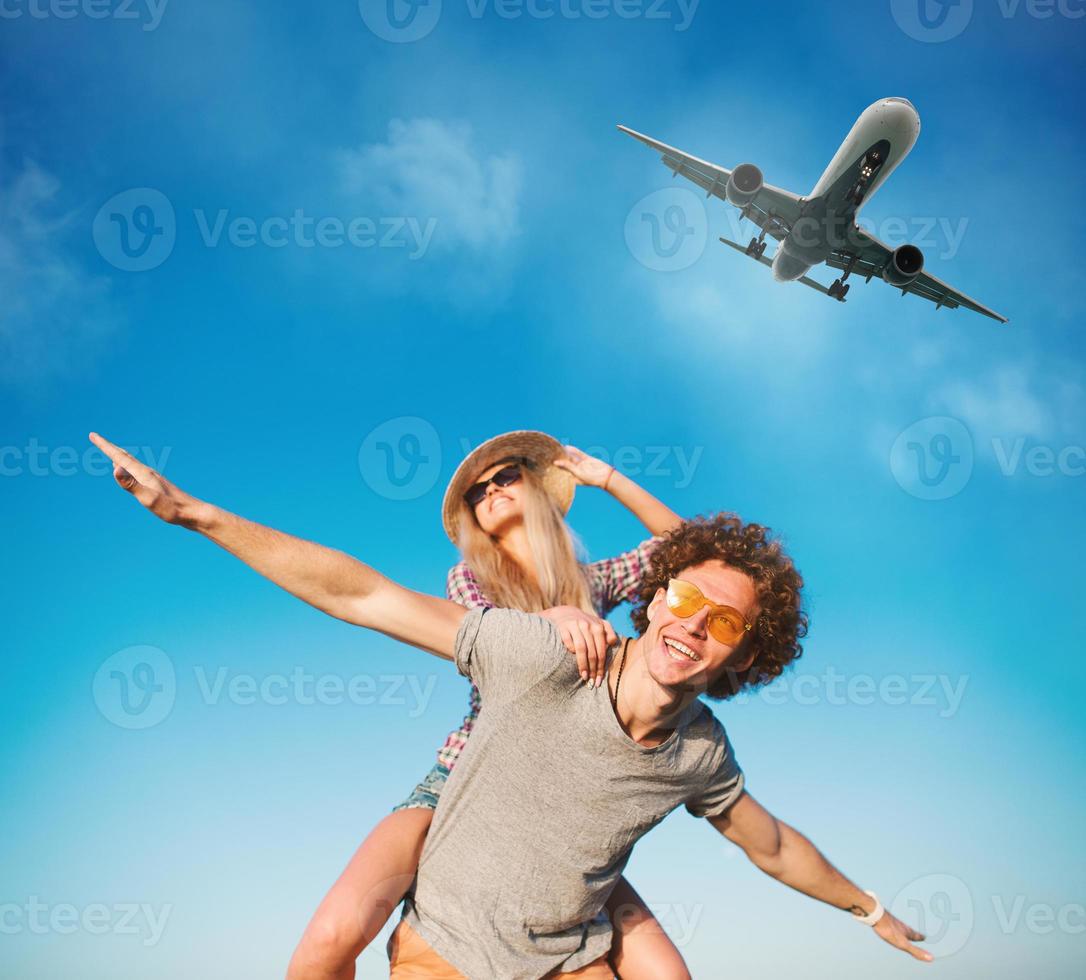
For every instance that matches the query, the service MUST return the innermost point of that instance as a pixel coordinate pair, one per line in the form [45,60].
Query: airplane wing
[871,259]
[774,210]
[806,280]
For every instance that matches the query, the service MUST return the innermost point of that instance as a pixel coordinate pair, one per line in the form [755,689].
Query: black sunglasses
[505,477]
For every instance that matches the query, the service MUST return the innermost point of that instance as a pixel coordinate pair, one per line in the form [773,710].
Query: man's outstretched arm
[330,580]
[785,854]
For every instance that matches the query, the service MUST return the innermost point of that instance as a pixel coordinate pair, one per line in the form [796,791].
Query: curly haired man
[561,777]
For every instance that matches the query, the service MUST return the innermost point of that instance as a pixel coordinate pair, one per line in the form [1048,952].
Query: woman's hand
[587,637]
[586,470]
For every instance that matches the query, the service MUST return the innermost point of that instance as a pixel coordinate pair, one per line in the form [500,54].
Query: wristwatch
[875,914]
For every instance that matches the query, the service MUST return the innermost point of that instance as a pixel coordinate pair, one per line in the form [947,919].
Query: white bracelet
[875,914]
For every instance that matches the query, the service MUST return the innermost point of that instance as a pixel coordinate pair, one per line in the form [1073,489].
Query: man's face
[681,654]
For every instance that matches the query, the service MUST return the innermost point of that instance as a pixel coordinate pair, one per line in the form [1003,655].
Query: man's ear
[747,659]
[654,606]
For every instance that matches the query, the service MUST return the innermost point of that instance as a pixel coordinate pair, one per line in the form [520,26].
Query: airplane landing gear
[756,247]
[839,287]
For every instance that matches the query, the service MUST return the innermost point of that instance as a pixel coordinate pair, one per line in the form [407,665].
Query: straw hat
[537,447]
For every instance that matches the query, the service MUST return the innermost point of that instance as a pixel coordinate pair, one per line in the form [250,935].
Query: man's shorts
[411,958]
[425,795]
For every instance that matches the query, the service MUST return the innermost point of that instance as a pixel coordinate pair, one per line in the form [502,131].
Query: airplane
[821,227]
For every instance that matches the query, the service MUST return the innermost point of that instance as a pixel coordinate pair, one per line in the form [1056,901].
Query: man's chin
[674,675]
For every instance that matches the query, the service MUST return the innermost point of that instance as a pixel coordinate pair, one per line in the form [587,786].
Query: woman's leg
[641,950]
[363,898]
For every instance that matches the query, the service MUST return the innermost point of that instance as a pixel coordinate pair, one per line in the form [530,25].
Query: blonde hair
[561,580]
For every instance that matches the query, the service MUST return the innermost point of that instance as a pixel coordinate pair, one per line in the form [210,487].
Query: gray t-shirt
[537,820]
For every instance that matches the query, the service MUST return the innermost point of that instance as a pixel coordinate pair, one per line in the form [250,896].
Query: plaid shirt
[611,582]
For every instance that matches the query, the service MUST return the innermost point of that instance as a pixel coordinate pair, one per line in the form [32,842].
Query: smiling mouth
[680,651]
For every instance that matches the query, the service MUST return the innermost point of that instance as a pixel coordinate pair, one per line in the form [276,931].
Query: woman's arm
[330,580]
[657,517]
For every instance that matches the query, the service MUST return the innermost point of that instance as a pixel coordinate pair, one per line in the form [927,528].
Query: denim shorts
[426,794]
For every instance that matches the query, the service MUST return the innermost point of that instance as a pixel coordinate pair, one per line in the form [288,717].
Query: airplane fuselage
[881,138]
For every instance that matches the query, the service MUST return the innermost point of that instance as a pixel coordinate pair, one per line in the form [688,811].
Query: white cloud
[51,309]
[434,169]
[1000,404]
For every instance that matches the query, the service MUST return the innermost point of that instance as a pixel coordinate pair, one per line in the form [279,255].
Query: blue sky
[500,277]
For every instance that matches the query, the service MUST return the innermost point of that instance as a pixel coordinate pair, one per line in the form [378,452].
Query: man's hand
[587,637]
[784,853]
[151,489]
[330,580]
[586,470]
[896,933]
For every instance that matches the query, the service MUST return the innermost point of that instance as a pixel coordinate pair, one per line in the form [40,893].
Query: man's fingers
[122,459]
[124,478]
[920,954]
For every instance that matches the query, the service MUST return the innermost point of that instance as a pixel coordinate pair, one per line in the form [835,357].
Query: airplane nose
[901,116]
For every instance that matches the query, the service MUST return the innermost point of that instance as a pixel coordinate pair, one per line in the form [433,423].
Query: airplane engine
[744,184]
[904,265]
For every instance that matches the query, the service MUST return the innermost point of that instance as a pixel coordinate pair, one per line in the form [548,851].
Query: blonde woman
[505,509]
